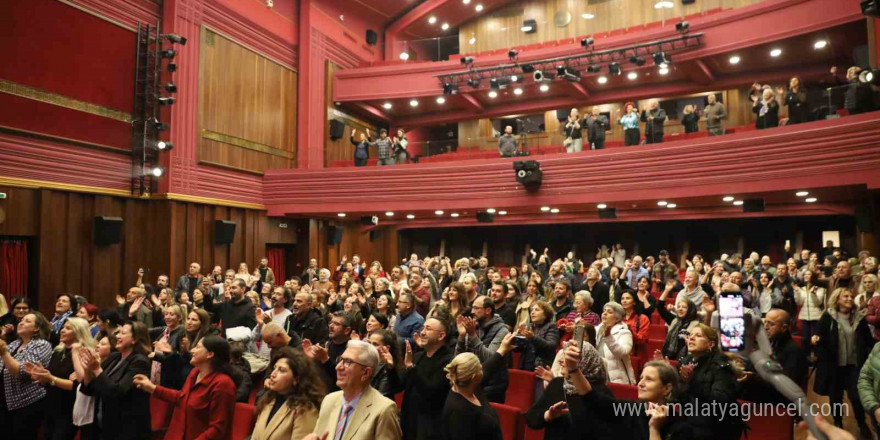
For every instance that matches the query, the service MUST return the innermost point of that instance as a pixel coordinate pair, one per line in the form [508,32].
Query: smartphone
[578,338]
[733,325]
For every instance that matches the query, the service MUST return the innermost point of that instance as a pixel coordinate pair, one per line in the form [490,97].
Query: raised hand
[135,306]
[658,415]
[162,346]
[37,372]
[385,356]
[143,383]
[506,345]
[708,305]
[407,358]
[543,373]
[319,353]
[258,313]
[658,355]
[184,345]
[120,300]
[471,326]
[307,347]
[572,356]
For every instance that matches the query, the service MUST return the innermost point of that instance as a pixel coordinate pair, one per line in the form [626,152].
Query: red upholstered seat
[657,331]
[769,427]
[398,399]
[625,392]
[160,415]
[520,389]
[242,421]
[512,422]
[531,434]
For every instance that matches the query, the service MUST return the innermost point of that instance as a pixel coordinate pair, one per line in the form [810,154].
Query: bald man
[785,350]
[507,142]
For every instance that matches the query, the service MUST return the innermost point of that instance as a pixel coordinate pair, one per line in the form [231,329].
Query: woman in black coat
[124,411]
[767,110]
[796,100]
[842,321]
[167,360]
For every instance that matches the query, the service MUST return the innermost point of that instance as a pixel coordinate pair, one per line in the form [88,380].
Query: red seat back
[520,389]
[625,392]
[511,421]
[160,414]
[769,426]
[242,421]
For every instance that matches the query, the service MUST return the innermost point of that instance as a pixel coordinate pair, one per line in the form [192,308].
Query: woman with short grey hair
[615,343]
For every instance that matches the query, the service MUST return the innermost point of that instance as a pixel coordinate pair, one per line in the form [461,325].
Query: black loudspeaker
[108,230]
[334,234]
[485,217]
[688,2]
[224,231]
[337,129]
[753,205]
[369,221]
[528,173]
[375,234]
[372,37]
[863,218]
[608,213]
[562,115]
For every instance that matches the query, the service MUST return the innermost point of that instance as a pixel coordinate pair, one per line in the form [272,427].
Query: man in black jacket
[306,322]
[425,383]
[482,336]
[785,351]
[190,280]
[596,125]
[654,118]
[327,356]
[502,307]
[238,311]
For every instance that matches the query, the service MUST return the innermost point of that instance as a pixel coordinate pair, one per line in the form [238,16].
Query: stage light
[602,80]
[594,68]
[474,83]
[614,69]
[661,58]
[169,53]
[387,106]
[869,76]
[544,87]
[467,60]
[450,88]
[683,27]
[515,78]
[441,100]
[529,26]
[160,126]
[637,60]
[528,68]
[512,54]
[164,146]
[572,75]
[167,100]
[870,8]
[174,38]
[734,59]
[171,87]
[663,71]
[587,42]
[671,205]
[157,171]
[465,1]
[171,67]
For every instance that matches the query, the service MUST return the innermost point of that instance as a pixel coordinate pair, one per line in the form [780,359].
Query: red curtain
[13,268]
[276,263]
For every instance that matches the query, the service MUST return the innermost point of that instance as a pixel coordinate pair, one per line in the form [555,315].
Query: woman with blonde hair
[166,368]
[690,119]
[467,414]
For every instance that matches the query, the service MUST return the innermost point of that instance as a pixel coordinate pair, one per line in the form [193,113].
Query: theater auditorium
[439,219]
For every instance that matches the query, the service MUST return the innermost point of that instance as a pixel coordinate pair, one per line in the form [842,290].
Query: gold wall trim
[208,201]
[47,97]
[244,143]
[45,184]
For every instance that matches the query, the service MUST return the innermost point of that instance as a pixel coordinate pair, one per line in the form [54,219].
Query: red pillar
[311,116]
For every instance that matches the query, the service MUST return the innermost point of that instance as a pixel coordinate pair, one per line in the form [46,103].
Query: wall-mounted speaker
[375,234]
[224,231]
[753,205]
[107,230]
[334,235]
[372,37]
[608,213]
[337,129]
[485,217]
[369,221]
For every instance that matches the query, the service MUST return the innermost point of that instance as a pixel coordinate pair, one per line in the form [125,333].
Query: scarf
[591,366]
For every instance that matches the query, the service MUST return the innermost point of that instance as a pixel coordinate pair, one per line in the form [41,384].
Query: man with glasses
[425,382]
[328,354]
[482,336]
[409,321]
[357,411]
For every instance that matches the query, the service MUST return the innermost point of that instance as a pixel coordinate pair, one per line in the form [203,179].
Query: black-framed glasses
[346,362]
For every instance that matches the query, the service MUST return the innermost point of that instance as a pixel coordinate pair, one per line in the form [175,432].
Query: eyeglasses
[346,363]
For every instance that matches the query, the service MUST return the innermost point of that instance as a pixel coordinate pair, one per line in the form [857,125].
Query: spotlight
[169,53]
[683,27]
[494,84]
[587,42]
[499,83]
[594,68]
[493,94]
[543,76]
[174,38]
[869,76]
[515,78]
[171,87]
[512,54]
[637,60]
[870,8]
[571,75]
[467,60]
[157,171]
[528,68]
[387,106]
[614,69]
[160,126]
[450,88]
[661,58]
[404,56]
[164,145]
[474,83]
[166,100]
[529,26]
[172,67]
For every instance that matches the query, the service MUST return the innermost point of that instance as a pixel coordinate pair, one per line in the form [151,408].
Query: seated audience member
[561,300]
[19,308]
[294,390]
[424,382]
[638,324]
[843,342]
[21,409]
[767,110]
[481,336]
[707,377]
[867,291]
[542,338]
[869,387]
[202,408]
[124,411]
[65,306]
[409,321]
[467,415]
[614,341]
[166,370]
[357,405]
[240,371]
[388,376]
[498,293]
[680,319]
[328,355]
[643,302]
[162,300]
[306,321]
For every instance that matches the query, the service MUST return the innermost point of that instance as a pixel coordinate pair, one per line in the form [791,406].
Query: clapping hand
[162,346]
[506,345]
[258,313]
[658,415]
[557,410]
[319,353]
[120,300]
[407,358]
[135,306]
[143,383]
[385,356]
[686,372]
[37,372]
[543,373]
[708,305]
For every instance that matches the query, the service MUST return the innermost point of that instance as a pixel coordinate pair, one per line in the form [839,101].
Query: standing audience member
[796,100]
[637,323]
[281,299]
[65,306]
[238,311]
[409,321]
[166,369]
[306,321]
[681,318]
[203,406]
[767,110]
[21,399]
[192,279]
[384,148]
[388,376]
[400,143]
[614,342]
[289,408]
[811,300]
[467,415]
[654,118]
[481,336]
[361,148]
[597,123]
[869,387]
[629,120]
[542,338]
[572,129]
[424,382]
[714,113]
[507,142]
[777,326]
[690,119]
[20,307]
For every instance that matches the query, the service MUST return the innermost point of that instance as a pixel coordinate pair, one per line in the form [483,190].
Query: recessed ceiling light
[465,1]
[728,198]
[602,80]
[734,59]
[404,56]
[662,203]
[341,214]
[587,16]
[544,87]
[632,75]
[387,106]
[502,212]
[517,91]
[410,216]
[445,26]
[441,100]
[438,212]
[545,208]
[491,210]
[601,206]
[432,19]
[802,193]
[775,52]
[472,41]
[554,211]
[479,8]
[414,103]
[737,203]
[810,200]
[671,205]
[389,214]
[820,44]
[454,214]
[663,71]
[664,5]
[493,94]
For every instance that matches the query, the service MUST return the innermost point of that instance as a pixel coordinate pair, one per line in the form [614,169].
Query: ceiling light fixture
[414,103]
[802,193]
[544,87]
[389,214]
[517,91]
[734,59]
[811,200]
[632,75]
[445,26]
[775,53]
[664,5]
[493,94]
[502,212]
[387,106]
[466,1]
[491,210]
[662,203]
[671,205]
[479,8]
[438,212]
[737,203]
[441,100]
[820,44]
[601,206]
[554,211]
[663,71]
[341,214]
[157,171]
[728,198]
[454,215]
[602,80]
[545,208]
[410,216]
[432,19]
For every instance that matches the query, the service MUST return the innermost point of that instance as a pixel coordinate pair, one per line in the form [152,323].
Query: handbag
[83,408]
[567,142]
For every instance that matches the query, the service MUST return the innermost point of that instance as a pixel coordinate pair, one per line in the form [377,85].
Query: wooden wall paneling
[79,237]
[19,212]
[105,271]
[275,234]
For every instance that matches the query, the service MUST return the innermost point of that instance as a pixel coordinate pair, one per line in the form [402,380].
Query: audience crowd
[332,349]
